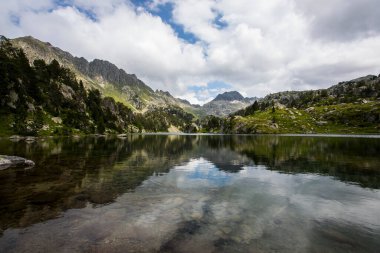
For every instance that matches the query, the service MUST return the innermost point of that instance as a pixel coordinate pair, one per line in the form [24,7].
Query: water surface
[165,193]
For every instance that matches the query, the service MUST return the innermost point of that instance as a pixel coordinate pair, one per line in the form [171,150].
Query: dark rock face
[229,96]
[109,72]
[36,49]
[114,75]
[82,64]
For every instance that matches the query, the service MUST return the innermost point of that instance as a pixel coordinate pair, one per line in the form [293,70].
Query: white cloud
[267,46]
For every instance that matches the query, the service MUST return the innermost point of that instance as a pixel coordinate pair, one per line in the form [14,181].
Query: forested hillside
[45,98]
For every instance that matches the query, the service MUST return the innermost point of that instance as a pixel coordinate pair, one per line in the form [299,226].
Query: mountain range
[47,91]
[123,87]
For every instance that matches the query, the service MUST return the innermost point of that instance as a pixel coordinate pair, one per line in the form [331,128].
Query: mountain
[226,103]
[343,92]
[123,87]
[347,107]
[47,91]
[229,96]
[104,76]
[43,98]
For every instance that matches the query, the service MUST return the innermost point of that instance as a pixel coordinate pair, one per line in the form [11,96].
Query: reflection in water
[192,194]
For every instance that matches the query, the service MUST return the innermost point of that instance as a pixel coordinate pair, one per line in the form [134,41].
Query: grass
[111,91]
[342,118]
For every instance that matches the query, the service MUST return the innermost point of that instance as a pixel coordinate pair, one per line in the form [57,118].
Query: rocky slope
[367,87]
[348,107]
[103,75]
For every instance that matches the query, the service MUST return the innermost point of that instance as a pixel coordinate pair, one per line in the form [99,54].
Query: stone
[279,106]
[14,98]
[30,139]
[321,123]
[67,92]
[274,126]
[57,120]
[16,138]
[9,161]
[31,107]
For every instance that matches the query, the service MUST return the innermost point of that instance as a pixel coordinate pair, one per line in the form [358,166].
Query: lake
[192,193]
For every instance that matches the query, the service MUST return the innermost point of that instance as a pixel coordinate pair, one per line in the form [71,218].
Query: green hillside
[47,99]
[346,108]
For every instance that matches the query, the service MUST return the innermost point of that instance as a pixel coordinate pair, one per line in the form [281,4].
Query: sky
[196,49]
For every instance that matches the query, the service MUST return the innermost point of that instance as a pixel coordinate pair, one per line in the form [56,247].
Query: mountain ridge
[116,82]
[42,98]
[49,97]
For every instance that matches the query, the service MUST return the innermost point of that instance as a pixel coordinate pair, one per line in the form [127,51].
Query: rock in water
[8,161]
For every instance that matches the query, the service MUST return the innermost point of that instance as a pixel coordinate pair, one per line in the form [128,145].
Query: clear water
[162,193]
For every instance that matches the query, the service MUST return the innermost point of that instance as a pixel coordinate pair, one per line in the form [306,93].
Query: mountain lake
[192,193]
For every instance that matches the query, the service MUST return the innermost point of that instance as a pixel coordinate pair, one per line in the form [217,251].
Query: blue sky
[164,11]
[197,48]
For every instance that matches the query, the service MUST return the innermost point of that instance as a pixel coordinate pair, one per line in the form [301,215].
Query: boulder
[16,137]
[67,92]
[122,135]
[57,120]
[9,161]
[279,106]
[30,139]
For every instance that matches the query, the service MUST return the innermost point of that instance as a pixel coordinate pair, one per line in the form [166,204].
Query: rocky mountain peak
[229,96]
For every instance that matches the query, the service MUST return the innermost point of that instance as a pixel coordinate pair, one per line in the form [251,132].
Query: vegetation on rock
[348,107]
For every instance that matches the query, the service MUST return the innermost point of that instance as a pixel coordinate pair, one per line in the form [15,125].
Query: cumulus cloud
[342,20]
[257,47]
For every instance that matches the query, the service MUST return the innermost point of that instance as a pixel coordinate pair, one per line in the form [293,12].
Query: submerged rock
[8,161]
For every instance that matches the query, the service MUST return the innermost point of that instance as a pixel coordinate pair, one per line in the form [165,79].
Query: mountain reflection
[75,172]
